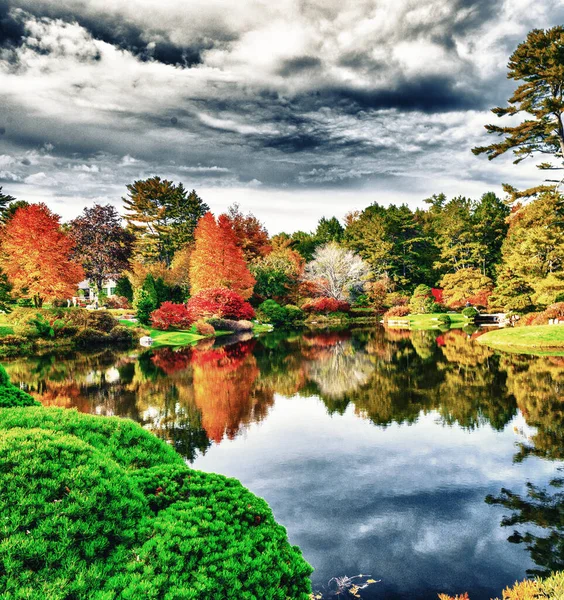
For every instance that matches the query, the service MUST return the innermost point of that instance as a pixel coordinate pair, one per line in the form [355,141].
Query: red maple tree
[217,261]
[35,255]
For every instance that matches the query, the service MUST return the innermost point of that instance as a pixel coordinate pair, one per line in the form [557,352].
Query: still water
[412,457]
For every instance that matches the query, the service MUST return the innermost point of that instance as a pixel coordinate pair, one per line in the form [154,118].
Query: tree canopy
[538,63]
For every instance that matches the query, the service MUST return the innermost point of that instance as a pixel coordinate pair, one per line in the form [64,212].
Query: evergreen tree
[490,227]
[329,230]
[124,288]
[538,62]
[162,217]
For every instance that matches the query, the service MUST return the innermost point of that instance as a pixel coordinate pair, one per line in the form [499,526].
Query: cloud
[302,96]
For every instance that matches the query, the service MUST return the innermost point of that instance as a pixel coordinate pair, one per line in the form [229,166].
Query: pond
[411,457]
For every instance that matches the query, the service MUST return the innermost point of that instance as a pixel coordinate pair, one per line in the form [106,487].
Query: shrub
[12,396]
[221,303]
[554,311]
[230,325]
[117,302]
[144,304]
[294,315]
[325,306]
[422,301]
[443,320]
[271,312]
[90,337]
[396,299]
[397,311]
[203,328]
[13,340]
[45,329]
[122,335]
[77,512]
[470,312]
[24,302]
[171,315]
[105,509]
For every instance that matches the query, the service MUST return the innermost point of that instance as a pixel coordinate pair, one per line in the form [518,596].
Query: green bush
[122,335]
[97,507]
[72,516]
[25,302]
[443,320]
[90,337]
[10,395]
[271,312]
[422,301]
[144,304]
[470,312]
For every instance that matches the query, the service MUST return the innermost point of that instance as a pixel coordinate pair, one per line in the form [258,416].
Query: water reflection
[373,447]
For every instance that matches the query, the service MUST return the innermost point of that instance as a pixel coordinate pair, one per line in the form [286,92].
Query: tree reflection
[544,511]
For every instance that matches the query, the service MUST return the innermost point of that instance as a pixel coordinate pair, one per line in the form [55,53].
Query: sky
[295,109]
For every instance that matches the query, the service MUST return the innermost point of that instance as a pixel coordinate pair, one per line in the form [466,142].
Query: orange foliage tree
[35,255]
[217,260]
[250,234]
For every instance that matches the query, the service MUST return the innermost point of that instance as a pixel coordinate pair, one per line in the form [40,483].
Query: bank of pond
[374,448]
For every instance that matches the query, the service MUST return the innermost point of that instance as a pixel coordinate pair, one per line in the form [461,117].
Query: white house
[109,288]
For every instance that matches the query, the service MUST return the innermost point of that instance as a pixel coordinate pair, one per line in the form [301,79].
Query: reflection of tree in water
[473,391]
[223,389]
[338,367]
[538,386]
[544,510]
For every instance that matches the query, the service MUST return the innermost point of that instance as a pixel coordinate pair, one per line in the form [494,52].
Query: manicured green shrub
[144,304]
[71,516]
[270,311]
[10,395]
[443,320]
[97,507]
[470,312]
[422,301]
[122,440]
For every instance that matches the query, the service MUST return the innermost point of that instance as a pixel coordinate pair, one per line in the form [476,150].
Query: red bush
[171,315]
[437,295]
[325,306]
[396,311]
[117,302]
[221,303]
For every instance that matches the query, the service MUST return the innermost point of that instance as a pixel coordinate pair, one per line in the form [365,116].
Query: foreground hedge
[97,507]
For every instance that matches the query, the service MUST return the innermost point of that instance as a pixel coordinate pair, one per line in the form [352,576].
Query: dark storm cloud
[299,94]
[11,29]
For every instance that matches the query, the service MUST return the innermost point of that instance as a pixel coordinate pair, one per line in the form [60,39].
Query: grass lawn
[430,321]
[167,338]
[186,337]
[534,338]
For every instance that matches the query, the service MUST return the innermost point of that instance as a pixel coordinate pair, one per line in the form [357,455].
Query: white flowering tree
[336,271]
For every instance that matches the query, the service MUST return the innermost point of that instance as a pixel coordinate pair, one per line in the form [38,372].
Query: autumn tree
[466,285]
[36,255]
[250,233]
[538,63]
[101,244]
[217,260]
[336,271]
[162,216]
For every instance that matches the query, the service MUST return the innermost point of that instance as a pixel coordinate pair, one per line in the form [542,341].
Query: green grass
[534,338]
[186,337]
[430,321]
